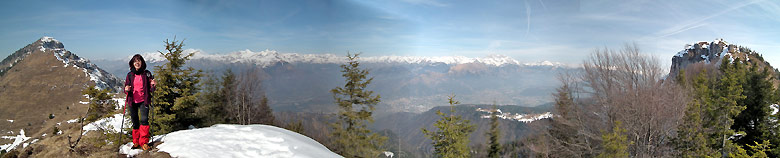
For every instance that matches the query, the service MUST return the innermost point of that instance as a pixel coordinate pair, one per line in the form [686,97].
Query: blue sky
[527,30]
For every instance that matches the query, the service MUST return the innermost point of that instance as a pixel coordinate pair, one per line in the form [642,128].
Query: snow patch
[18,140]
[388,154]
[72,121]
[525,118]
[128,150]
[112,124]
[682,53]
[48,39]
[706,58]
[241,141]
[90,70]
[120,102]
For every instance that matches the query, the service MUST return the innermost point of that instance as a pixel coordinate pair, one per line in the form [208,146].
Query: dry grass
[36,87]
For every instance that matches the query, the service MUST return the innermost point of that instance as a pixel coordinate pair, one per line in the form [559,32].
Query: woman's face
[137,64]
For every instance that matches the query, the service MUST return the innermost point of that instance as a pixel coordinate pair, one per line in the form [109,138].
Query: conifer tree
[100,102]
[725,107]
[214,101]
[615,143]
[493,135]
[452,138]
[351,135]
[296,126]
[263,113]
[756,151]
[775,129]
[691,140]
[175,99]
[755,119]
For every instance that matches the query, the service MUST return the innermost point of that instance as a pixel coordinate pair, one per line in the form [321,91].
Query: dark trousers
[144,120]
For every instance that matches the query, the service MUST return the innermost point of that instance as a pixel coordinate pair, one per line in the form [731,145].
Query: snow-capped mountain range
[406,83]
[270,57]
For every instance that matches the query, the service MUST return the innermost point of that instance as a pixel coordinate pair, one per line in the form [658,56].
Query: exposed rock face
[708,52]
[709,55]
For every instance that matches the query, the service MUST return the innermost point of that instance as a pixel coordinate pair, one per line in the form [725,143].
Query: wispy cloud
[699,22]
[427,2]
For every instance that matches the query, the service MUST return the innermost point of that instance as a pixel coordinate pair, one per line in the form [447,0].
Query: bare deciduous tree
[626,86]
[249,104]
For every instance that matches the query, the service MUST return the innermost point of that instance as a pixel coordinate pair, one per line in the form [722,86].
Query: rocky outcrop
[707,52]
[709,55]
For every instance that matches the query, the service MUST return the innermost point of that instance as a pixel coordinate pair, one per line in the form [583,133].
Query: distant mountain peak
[48,39]
[47,44]
[50,43]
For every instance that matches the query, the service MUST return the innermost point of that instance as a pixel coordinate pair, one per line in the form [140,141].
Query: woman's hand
[153,83]
[127,88]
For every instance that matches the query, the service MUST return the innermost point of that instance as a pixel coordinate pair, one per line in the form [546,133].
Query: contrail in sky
[528,17]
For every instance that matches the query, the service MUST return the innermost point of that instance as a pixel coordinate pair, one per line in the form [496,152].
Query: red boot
[144,135]
[136,136]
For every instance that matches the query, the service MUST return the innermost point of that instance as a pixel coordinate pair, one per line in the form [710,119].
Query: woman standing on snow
[139,84]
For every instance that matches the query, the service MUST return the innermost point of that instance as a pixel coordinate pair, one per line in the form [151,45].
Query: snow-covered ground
[224,140]
[112,123]
[525,118]
[18,140]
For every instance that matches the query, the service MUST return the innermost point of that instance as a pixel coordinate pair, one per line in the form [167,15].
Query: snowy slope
[18,140]
[270,57]
[525,118]
[101,78]
[250,141]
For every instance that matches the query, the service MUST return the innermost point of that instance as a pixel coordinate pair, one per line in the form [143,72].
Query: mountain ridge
[269,57]
[42,84]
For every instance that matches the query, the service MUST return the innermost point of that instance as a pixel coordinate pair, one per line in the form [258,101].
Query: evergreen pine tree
[775,129]
[566,141]
[755,119]
[100,103]
[691,141]
[229,88]
[725,106]
[296,126]
[681,79]
[493,135]
[174,101]
[756,151]
[213,101]
[352,138]
[452,138]
[615,143]
[264,114]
